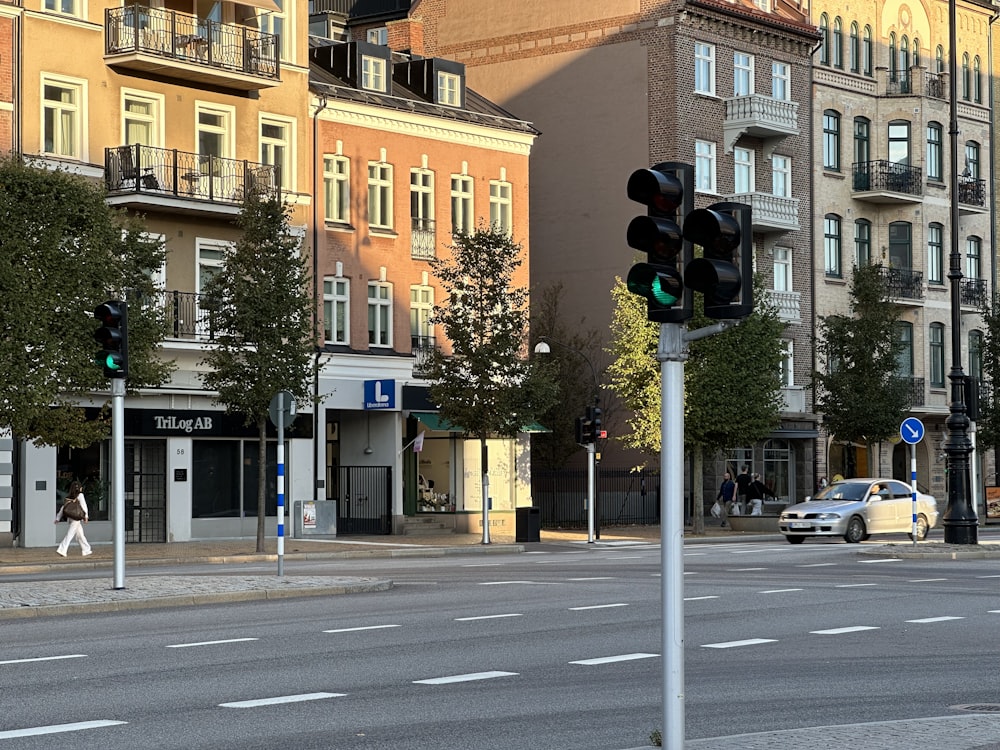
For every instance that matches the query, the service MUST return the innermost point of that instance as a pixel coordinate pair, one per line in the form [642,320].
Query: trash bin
[528,526]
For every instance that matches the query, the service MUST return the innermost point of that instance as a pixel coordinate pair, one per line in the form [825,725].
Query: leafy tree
[575,361]
[858,390]
[64,251]
[262,312]
[487,385]
[988,425]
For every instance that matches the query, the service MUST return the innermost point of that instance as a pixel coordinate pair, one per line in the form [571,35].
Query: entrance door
[146,491]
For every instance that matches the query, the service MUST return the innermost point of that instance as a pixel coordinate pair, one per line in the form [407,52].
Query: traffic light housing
[725,270]
[113,338]
[596,431]
[667,191]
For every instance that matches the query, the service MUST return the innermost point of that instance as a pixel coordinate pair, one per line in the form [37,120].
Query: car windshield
[843,491]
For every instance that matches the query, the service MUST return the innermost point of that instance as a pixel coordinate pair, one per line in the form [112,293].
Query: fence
[624,496]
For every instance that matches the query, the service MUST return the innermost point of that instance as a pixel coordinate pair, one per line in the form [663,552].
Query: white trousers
[75,530]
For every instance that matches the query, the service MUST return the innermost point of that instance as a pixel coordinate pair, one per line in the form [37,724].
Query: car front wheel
[855,531]
[922,528]
[795,539]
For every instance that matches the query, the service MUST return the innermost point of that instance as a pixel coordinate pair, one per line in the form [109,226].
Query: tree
[261,309]
[988,425]
[858,388]
[488,385]
[64,251]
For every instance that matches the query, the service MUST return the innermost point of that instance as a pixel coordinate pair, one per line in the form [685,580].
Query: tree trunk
[697,491]
[261,480]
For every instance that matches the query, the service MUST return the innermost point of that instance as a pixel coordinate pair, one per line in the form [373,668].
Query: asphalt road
[557,649]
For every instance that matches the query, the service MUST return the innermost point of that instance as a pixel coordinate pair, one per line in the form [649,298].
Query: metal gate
[364,500]
[145,491]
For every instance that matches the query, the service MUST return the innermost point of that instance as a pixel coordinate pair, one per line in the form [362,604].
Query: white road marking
[936,619]
[596,606]
[626,557]
[464,678]
[762,549]
[536,552]
[840,631]
[210,643]
[281,699]
[57,728]
[524,583]
[593,578]
[44,658]
[737,644]
[482,565]
[816,565]
[853,585]
[987,576]
[695,554]
[745,570]
[926,580]
[994,611]
[875,562]
[778,591]
[698,598]
[362,627]
[486,617]
[612,659]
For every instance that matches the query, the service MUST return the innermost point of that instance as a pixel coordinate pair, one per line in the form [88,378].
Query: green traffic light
[662,287]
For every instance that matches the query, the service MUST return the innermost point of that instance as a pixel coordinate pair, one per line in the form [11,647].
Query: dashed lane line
[487,617]
[281,699]
[613,659]
[738,644]
[473,676]
[936,619]
[598,606]
[779,591]
[44,658]
[841,631]
[361,627]
[210,643]
[76,726]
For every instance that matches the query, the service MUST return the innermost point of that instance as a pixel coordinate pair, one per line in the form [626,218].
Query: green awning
[434,421]
[535,427]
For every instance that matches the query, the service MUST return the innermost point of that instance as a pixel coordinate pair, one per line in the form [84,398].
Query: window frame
[153,120]
[781,81]
[831,140]
[421,314]
[337,307]
[276,151]
[824,40]
[744,170]
[462,204]
[862,242]
[867,52]
[935,253]
[76,149]
[781,175]
[832,246]
[502,206]
[743,74]
[782,269]
[705,166]
[421,199]
[838,43]
[704,68]
[935,152]
[380,314]
[449,89]
[973,257]
[854,48]
[380,190]
[935,346]
[373,73]
[337,189]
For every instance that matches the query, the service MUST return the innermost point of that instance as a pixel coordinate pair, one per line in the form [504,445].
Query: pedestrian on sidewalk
[75,525]
[757,492]
[726,497]
[742,485]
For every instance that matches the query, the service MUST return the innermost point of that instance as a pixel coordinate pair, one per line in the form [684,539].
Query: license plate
[800,525]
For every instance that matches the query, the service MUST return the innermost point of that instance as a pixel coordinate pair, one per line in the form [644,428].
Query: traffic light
[113,338]
[583,430]
[725,270]
[596,433]
[665,190]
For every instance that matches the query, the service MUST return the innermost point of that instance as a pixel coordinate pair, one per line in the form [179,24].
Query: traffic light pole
[591,490]
[118,477]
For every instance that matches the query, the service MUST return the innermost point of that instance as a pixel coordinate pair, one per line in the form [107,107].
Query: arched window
[939,60]
[862,140]
[855,49]
[838,43]
[977,81]
[867,56]
[904,57]
[893,70]
[966,77]
[862,242]
[824,40]
[916,53]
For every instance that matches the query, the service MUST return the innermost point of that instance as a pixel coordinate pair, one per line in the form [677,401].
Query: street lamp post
[542,347]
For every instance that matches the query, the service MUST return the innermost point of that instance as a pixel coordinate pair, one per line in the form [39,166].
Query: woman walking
[74,497]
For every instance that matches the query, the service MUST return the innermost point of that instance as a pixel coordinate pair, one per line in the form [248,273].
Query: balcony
[762,117]
[971,196]
[972,292]
[914,388]
[902,283]
[423,348]
[884,181]
[422,238]
[146,176]
[788,305]
[793,399]
[914,82]
[771,213]
[179,45]
[188,316]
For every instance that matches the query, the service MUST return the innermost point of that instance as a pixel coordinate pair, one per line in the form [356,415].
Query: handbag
[73,510]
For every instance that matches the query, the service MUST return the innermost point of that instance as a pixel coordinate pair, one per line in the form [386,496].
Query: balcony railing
[422,238]
[973,292]
[171,35]
[971,191]
[771,213]
[359,8]
[914,390]
[182,174]
[887,175]
[902,283]
[188,316]
[788,304]
[761,117]
[422,348]
[898,83]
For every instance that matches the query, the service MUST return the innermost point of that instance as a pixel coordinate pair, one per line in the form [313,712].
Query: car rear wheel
[856,531]
[795,539]
[922,528]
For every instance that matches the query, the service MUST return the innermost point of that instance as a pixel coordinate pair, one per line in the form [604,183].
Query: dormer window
[449,87]
[378,36]
[372,73]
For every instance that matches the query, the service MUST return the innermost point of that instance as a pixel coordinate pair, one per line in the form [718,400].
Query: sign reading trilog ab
[380,394]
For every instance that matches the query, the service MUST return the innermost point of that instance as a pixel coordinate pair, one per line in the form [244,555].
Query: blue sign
[912,430]
[380,394]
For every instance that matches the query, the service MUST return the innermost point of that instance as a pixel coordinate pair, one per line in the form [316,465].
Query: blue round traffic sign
[912,430]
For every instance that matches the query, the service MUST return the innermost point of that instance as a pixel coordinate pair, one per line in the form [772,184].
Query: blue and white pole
[913,485]
[281,491]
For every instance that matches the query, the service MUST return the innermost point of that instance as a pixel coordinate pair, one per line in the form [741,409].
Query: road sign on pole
[912,432]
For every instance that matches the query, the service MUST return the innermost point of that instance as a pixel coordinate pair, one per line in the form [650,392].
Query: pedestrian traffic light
[667,191]
[596,432]
[113,338]
[725,271]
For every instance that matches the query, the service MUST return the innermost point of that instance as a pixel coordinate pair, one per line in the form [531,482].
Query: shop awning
[535,427]
[433,421]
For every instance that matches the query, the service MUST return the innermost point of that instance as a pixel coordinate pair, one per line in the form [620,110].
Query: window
[421,312]
[372,73]
[862,140]
[742,74]
[973,257]
[704,68]
[831,245]
[781,176]
[500,205]
[893,60]
[782,269]
[854,56]
[462,217]
[449,88]
[935,339]
[422,199]
[901,245]
[971,160]
[787,365]
[966,77]
[899,142]
[214,137]
[781,87]
[904,359]
[916,53]
[935,153]
[831,140]
[378,36]
[337,188]
[977,81]
[838,43]
[140,119]
[743,171]
[62,117]
[862,242]
[704,166]
[867,56]
[904,58]
[336,310]
[276,21]
[67,7]
[379,313]
[939,60]
[824,40]
[275,148]
[935,254]
[976,355]
[380,195]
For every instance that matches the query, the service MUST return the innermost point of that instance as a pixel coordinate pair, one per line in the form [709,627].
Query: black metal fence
[364,500]
[624,496]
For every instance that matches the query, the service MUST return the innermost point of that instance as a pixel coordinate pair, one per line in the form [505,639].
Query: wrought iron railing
[971,191]
[422,347]
[898,82]
[422,238]
[190,39]
[934,85]
[167,171]
[358,8]
[902,283]
[973,292]
[914,388]
[189,316]
[887,175]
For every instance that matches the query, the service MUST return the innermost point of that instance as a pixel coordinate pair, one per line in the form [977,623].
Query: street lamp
[542,347]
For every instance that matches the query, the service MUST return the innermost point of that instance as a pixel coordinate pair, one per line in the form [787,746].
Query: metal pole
[486,492]
[281,485]
[591,490]
[118,477]
[959,519]
[913,489]
[671,355]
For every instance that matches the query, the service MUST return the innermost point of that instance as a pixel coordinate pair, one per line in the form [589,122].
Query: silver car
[857,508]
